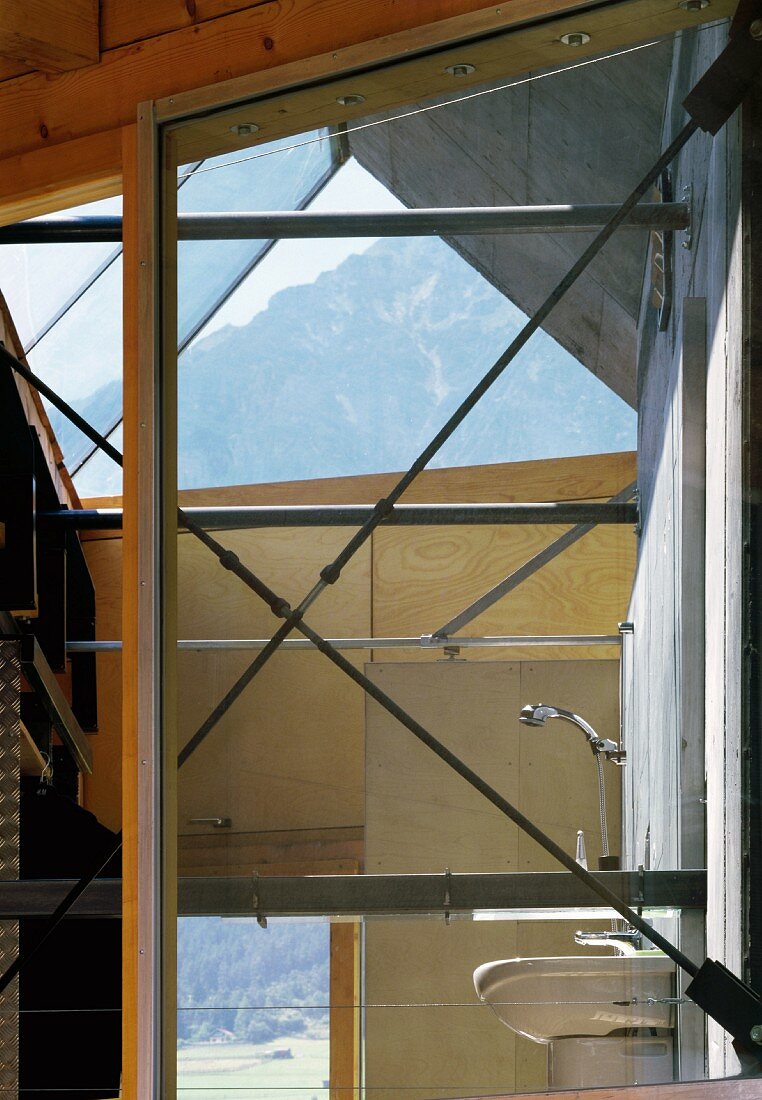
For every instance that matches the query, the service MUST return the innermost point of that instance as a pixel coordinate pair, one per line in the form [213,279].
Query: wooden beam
[60,176]
[51,35]
[279,43]
[344,1014]
[140,930]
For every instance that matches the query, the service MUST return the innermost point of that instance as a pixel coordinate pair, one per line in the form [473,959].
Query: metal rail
[307,224]
[366,895]
[425,642]
[356,515]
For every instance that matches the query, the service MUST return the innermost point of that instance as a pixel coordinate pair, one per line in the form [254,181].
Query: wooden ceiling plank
[36,110]
[51,35]
[60,176]
[59,135]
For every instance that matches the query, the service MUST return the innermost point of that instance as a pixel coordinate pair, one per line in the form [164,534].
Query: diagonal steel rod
[513,580]
[59,403]
[331,573]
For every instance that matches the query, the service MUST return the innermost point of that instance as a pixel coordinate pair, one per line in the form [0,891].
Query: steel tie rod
[309,224]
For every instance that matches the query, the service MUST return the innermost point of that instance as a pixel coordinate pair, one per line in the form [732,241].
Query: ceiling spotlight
[693,5]
[460,70]
[244,129]
[352,100]
[575,38]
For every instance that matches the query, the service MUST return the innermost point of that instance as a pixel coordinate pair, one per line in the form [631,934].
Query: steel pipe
[307,224]
[424,642]
[355,515]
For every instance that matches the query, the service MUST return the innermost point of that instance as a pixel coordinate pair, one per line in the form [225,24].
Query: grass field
[241,1071]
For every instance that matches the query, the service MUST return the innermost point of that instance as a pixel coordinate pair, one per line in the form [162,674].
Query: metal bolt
[755,29]
[756,1034]
[352,100]
[575,38]
[460,70]
[693,5]
[244,129]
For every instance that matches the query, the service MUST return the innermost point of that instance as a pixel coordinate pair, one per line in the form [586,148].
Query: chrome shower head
[536,714]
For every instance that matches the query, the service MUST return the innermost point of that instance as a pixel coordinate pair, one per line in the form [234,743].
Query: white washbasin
[546,999]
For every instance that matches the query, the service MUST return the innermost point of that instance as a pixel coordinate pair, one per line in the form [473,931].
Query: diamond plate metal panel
[10,729]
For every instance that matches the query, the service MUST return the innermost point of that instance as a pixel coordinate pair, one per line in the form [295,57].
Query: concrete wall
[683,678]
[585,136]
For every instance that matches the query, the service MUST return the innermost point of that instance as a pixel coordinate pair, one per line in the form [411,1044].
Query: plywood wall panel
[422,817]
[422,577]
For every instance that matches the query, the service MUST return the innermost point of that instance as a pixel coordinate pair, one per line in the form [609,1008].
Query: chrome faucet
[627,942]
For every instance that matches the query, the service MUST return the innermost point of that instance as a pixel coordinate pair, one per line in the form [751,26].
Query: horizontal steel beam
[40,897]
[355,515]
[305,224]
[388,895]
[367,895]
[425,642]
[42,680]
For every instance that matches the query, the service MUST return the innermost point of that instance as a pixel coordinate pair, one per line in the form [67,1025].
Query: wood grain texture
[288,755]
[520,50]
[421,578]
[344,1016]
[51,35]
[37,111]
[102,791]
[588,477]
[141,935]
[56,177]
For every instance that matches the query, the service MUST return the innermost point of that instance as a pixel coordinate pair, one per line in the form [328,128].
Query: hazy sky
[294,263]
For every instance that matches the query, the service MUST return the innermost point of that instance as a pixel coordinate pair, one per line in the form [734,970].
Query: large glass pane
[38,280]
[279,177]
[303,771]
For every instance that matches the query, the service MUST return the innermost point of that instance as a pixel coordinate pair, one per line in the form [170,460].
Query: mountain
[234,976]
[355,372]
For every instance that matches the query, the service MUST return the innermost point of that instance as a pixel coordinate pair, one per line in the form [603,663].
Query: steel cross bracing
[736,1007]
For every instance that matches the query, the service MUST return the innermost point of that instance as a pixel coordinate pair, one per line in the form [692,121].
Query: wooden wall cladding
[421,817]
[290,755]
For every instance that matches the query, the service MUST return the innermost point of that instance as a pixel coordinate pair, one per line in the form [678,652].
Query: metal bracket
[261,918]
[662,259]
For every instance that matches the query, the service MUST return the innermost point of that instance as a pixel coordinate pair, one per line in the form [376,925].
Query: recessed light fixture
[354,99]
[575,38]
[693,5]
[461,69]
[244,129]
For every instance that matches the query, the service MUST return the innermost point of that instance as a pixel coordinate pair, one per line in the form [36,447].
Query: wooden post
[140,1005]
[344,1013]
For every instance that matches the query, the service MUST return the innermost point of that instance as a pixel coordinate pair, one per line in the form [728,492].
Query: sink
[547,999]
